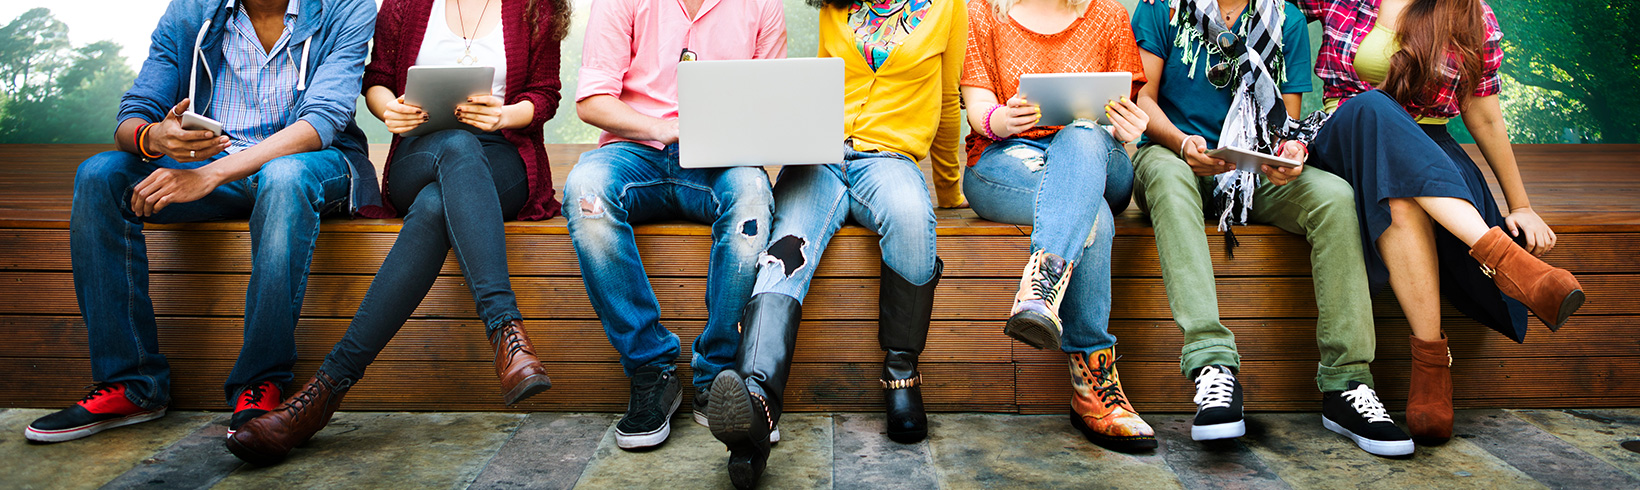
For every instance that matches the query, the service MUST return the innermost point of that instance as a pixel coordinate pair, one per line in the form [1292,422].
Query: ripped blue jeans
[1067,186]
[620,184]
[882,191]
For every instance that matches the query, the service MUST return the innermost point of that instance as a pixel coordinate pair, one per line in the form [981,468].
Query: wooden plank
[55,383]
[442,340]
[51,293]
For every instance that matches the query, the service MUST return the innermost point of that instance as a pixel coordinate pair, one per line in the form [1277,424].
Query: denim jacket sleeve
[334,83]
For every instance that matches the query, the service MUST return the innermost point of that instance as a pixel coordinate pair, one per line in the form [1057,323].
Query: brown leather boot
[1550,292]
[521,373]
[267,439]
[1429,399]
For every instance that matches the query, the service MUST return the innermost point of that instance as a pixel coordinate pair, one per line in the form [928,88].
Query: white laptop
[760,112]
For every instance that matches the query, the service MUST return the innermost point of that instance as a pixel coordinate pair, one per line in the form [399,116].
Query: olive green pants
[1318,205]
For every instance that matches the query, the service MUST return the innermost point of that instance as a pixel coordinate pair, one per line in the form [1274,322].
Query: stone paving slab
[1308,456]
[549,451]
[865,459]
[84,463]
[388,450]
[1223,465]
[1030,452]
[692,458]
[1549,459]
[199,460]
[1598,432]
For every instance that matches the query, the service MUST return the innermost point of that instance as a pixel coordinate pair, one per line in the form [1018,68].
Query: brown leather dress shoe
[521,373]
[1429,399]
[1550,292]
[267,439]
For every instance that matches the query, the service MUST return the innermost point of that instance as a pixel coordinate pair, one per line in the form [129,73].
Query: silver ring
[190,153]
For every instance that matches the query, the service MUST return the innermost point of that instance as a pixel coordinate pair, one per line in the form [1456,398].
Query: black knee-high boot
[904,310]
[747,400]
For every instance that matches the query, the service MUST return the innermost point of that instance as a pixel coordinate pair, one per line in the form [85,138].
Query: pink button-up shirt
[632,48]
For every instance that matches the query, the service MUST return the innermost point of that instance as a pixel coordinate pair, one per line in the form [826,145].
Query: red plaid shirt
[1346,22]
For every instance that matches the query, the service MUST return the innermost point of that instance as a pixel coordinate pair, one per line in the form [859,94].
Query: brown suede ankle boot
[1429,399]
[1550,292]
[268,438]
[521,373]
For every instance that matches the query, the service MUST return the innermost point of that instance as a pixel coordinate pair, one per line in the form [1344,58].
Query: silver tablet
[1250,160]
[439,89]
[1064,96]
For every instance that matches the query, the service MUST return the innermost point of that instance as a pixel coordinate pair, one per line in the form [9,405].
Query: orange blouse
[1000,50]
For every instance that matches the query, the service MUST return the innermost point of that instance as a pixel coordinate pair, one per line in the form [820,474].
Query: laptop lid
[760,112]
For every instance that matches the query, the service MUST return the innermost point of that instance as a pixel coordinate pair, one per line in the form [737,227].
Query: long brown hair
[1436,34]
[559,22]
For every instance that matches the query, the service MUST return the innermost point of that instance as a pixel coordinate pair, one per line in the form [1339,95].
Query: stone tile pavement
[1495,449]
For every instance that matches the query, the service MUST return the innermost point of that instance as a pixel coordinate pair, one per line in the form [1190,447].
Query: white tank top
[443,47]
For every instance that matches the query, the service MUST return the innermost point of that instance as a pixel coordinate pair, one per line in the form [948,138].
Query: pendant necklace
[467,58]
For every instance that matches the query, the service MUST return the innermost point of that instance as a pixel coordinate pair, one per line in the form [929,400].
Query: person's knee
[590,191]
[1331,199]
[1164,178]
[453,144]
[105,176]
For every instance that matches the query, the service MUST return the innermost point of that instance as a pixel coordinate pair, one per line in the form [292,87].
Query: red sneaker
[254,401]
[106,407]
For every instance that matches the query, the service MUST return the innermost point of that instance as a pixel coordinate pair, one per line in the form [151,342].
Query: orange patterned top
[1000,50]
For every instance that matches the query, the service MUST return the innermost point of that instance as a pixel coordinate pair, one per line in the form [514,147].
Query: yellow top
[1372,64]
[909,105]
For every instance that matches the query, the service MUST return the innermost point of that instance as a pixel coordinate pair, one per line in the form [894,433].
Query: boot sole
[251,456]
[1133,444]
[1568,306]
[700,418]
[73,433]
[530,386]
[1034,329]
[730,417]
[1388,449]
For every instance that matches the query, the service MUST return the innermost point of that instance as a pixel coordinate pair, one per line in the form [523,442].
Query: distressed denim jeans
[283,200]
[1066,186]
[883,191]
[622,184]
[1318,205]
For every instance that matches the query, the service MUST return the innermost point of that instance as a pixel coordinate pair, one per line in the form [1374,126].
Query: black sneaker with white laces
[1357,414]
[648,420]
[1218,405]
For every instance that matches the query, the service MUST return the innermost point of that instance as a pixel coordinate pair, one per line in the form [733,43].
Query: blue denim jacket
[330,37]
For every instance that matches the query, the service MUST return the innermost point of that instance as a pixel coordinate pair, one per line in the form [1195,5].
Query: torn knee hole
[749,227]
[591,206]
[788,253]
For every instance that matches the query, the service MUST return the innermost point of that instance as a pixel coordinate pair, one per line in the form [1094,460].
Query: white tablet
[437,90]
[1250,160]
[760,112]
[1064,96]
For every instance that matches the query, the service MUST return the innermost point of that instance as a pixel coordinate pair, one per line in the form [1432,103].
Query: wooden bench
[440,361]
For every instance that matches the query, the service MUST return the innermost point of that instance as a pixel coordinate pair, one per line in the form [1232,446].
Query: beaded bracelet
[988,114]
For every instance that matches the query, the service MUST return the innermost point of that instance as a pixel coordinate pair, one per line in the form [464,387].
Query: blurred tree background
[1568,75]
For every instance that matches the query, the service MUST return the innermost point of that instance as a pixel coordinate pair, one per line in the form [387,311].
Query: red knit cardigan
[532,74]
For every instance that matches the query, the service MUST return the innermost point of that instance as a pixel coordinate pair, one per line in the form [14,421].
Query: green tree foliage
[1570,69]
[55,93]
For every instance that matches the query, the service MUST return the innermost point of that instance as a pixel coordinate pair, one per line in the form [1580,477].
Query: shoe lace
[100,390]
[646,394]
[514,341]
[1365,402]
[297,403]
[1043,279]
[253,395]
[1215,388]
[1102,378]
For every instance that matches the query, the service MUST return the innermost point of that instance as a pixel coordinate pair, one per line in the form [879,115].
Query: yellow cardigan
[910,105]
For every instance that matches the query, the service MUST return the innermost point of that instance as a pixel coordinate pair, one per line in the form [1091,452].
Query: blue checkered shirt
[255,93]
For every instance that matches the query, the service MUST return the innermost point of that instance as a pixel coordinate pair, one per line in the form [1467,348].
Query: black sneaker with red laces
[254,401]
[106,407]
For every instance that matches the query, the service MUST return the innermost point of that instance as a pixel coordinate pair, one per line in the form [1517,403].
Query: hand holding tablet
[437,90]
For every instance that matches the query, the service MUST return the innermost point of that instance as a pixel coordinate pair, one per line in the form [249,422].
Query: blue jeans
[883,191]
[620,184]
[283,201]
[1066,186]
[457,188]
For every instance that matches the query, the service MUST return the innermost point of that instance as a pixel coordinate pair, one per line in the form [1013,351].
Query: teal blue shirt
[1194,105]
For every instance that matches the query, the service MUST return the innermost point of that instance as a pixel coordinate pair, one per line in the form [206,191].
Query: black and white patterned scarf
[1258,119]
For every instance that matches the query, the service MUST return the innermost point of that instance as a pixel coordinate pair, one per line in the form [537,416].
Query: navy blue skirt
[1385,154]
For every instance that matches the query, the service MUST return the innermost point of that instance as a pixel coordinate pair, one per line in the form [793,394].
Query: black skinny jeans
[456,189]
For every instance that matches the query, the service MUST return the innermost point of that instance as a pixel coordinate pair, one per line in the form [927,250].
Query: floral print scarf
[881,25]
